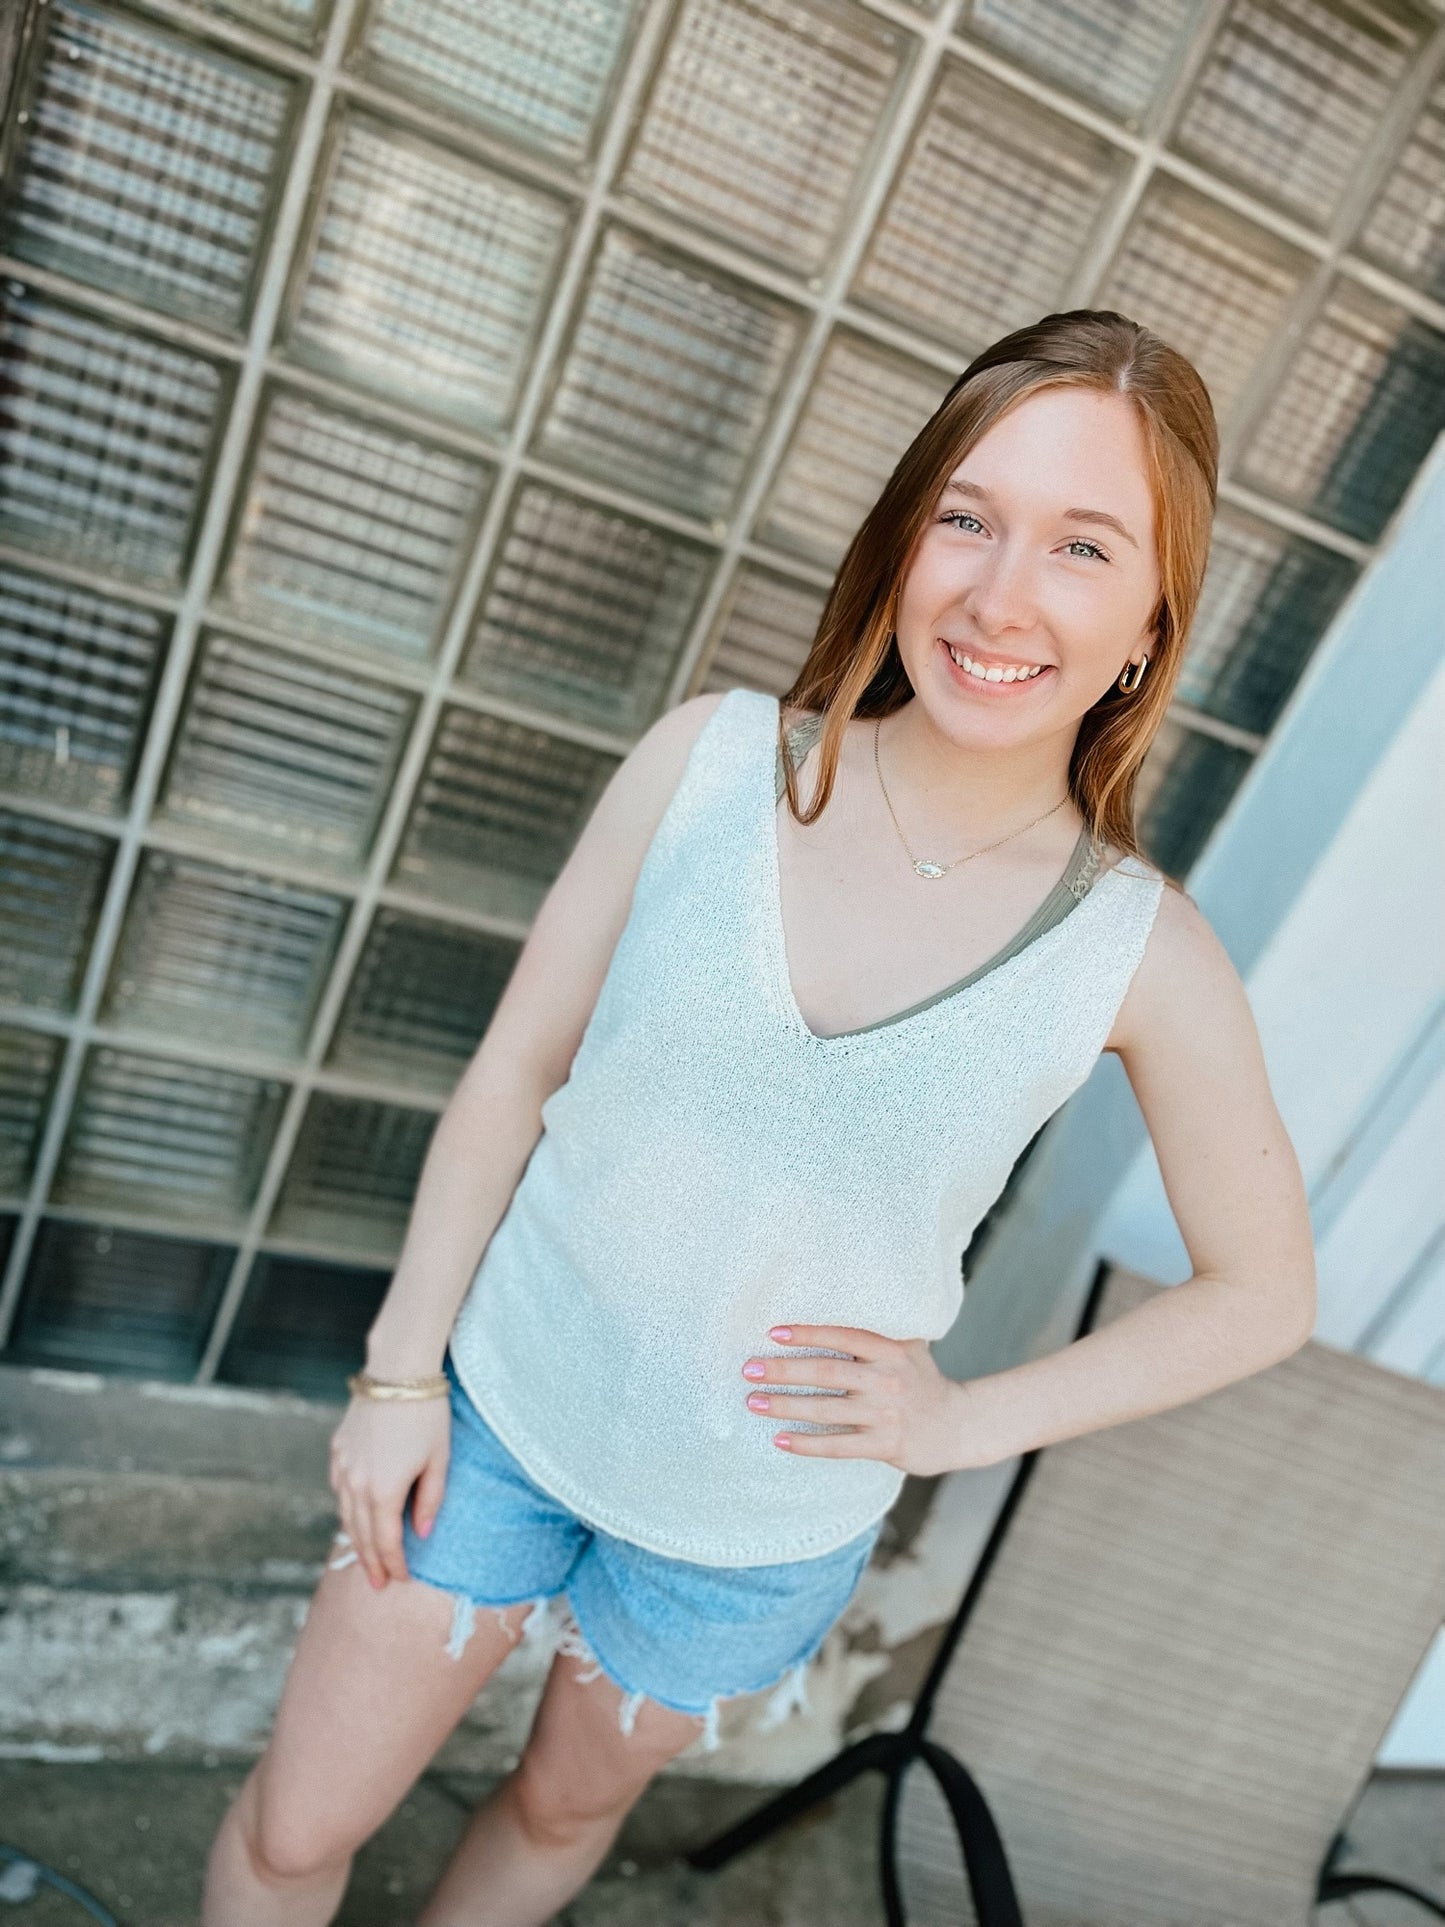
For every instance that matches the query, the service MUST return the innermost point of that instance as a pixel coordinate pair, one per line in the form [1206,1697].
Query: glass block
[865,407]
[427,275]
[302,1325]
[1290,94]
[538,70]
[669,377]
[1183,789]
[27,1071]
[149,164]
[210,952]
[760,118]
[52,879]
[1209,282]
[104,439]
[77,671]
[298,20]
[97,1297]
[1405,228]
[1268,598]
[1120,54]
[351,530]
[182,1141]
[353,1173]
[497,811]
[585,611]
[1355,414]
[767,629]
[276,748]
[422,996]
[995,205]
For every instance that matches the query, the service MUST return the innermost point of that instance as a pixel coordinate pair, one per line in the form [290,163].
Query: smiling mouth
[994,675]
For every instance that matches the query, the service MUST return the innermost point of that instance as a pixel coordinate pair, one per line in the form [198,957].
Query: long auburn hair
[853,667]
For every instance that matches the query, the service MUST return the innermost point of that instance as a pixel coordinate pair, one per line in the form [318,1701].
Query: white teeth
[996,673]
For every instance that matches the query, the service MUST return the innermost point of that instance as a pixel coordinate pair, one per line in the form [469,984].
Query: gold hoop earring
[1138,668]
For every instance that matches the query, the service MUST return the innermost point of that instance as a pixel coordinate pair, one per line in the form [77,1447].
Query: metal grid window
[404,402]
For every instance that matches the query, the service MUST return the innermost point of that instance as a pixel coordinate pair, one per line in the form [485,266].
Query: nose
[1001,596]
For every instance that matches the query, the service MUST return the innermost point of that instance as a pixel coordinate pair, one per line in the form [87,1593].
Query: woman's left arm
[1187,1038]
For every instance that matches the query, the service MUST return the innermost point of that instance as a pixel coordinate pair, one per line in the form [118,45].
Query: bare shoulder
[652,769]
[1186,982]
[644,782]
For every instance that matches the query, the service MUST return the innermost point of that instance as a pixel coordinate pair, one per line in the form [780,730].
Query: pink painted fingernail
[782,1439]
[754,1368]
[784,1332]
[757,1403]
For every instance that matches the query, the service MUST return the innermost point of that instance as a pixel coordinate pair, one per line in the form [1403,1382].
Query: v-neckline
[1078,866]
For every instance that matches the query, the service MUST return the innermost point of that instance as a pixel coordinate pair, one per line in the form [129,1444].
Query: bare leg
[371,1694]
[545,1830]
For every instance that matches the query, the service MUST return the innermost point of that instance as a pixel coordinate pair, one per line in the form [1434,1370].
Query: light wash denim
[684,1635]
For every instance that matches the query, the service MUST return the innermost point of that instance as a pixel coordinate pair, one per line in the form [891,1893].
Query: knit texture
[711,1168]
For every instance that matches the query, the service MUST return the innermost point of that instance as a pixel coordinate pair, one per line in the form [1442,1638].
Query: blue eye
[953,515]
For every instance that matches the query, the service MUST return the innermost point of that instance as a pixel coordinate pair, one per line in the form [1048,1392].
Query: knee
[557,1812]
[285,1844]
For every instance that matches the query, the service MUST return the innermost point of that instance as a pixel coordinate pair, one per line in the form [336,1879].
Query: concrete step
[158,1547]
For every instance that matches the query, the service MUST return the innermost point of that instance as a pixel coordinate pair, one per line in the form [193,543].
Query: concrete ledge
[160,1543]
[81,1420]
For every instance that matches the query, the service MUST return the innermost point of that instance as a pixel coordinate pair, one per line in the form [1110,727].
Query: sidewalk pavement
[136,1835]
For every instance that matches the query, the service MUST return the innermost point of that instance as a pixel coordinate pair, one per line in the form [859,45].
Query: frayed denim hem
[789,1692]
[465,1608]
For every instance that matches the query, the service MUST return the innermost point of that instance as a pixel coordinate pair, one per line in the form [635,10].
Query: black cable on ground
[61,1884]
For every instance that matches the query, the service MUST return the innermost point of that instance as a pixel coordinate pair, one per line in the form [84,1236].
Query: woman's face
[1039,553]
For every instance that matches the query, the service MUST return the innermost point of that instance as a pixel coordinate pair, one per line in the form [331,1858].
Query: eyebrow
[979,494]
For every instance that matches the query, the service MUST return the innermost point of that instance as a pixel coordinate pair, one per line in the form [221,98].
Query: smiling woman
[973,550]
[759,1072]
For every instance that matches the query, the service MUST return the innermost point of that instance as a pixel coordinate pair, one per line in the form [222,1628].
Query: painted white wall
[1348,995]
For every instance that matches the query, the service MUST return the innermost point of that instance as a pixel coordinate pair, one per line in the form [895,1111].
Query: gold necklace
[926,866]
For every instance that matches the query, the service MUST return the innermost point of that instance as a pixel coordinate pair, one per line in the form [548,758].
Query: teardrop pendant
[926,868]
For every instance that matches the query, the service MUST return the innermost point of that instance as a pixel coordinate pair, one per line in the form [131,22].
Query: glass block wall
[404,401]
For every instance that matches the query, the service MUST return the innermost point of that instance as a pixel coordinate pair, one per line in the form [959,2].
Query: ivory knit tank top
[712,1167]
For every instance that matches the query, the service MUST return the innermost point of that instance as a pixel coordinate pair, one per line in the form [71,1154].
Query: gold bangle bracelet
[363,1385]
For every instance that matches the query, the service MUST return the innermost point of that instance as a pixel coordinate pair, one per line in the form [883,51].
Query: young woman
[787,1017]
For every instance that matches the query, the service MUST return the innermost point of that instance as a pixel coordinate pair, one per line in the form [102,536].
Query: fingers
[833,1374]
[429,1488]
[386,1510]
[834,1338]
[354,1507]
[357,1519]
[824,1409]
[826,1445]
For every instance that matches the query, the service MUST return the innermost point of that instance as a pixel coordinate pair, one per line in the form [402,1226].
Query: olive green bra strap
[1066,895]
[801,738]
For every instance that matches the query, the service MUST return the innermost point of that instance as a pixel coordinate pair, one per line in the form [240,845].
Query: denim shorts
[669,1630]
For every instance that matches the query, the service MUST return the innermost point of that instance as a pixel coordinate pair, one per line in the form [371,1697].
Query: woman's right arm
[484,1138]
